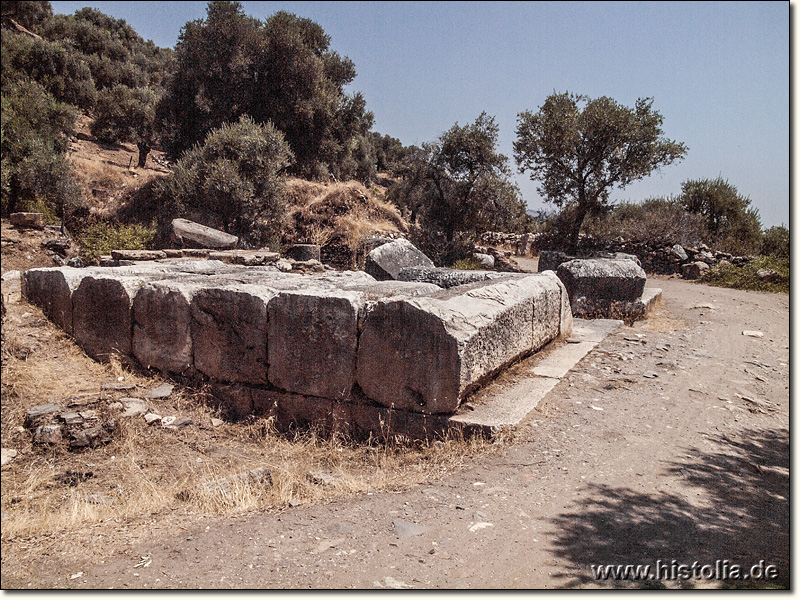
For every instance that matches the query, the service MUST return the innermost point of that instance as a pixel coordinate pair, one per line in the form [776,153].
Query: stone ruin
[341,351]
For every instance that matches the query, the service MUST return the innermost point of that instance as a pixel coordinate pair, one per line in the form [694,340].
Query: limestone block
[694,270]
[138,254]
[386,261]
[313,340]
[51,290]
[101,313]
[378,290]
[565,311]
[229,332]
[162,328]
[447,278]
[193,235]
[424,354]
[602,279]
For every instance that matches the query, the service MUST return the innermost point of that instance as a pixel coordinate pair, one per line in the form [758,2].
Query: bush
[101,238]
[35,130]
[233,181]
[731,223]
[746,277]
[61,71]
[775,242]
[654,221]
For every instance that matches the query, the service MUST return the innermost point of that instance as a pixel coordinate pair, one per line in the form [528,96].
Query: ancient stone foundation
[337,350]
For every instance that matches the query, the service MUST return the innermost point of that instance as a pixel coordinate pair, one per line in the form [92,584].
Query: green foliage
[731,223]
[30,14]
[389,152]
[460,183]
[280,71]
[655,220]
[232,181]
[468,264]
[58,69]
[35,128]
[775,242]
[746,277]
[113,51]
[581,148]
[127,115]
[101,238]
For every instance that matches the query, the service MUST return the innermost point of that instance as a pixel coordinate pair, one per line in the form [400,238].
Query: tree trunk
[144,150]
[575,227]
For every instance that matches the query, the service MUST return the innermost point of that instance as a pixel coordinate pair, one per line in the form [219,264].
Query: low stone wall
[300,346]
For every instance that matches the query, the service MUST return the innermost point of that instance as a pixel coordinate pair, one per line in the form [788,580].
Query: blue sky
[718,72]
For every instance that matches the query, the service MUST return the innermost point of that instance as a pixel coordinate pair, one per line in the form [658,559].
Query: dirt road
[669,442]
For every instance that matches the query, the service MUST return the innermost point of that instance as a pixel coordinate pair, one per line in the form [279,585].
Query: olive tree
[580,148]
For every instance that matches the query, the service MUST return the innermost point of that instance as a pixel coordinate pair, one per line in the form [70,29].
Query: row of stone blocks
[332,341]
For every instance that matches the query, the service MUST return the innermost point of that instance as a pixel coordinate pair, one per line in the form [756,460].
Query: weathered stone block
[138,254]
[162,328]
[447,278]
[424,354]
[386,261]
[51,290]
[101,314]
[549,260]
[229,332]
[602,279]
[193,235]
[694,270]
[313,340]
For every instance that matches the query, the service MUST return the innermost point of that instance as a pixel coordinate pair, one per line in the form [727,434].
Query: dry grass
[153,476]
[345,211]
[659,319]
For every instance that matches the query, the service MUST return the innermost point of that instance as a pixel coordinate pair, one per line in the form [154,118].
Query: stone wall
[306,344]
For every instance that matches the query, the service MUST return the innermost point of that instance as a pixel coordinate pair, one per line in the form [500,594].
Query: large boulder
[194,235]
[694,270]
[27,220]
[424,354]
[387,260]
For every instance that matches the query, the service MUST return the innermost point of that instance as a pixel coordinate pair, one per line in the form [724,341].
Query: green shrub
[35,130]
[102,238]
[746,277]
[468,264]
[233,181]
[731,223]
[775,242]
[655,220]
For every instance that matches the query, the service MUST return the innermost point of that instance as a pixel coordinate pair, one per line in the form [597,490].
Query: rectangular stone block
[424,354]
[601,279]
[313,340]
[51,290]
[162,328]
[229,332]
[565,310]
[101,313]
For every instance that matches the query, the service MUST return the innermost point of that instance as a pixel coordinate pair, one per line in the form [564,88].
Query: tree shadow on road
[735,508]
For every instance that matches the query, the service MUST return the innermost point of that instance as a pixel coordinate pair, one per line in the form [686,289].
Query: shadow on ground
[736,509]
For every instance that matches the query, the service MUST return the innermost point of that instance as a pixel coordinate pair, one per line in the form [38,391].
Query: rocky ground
[669,442]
